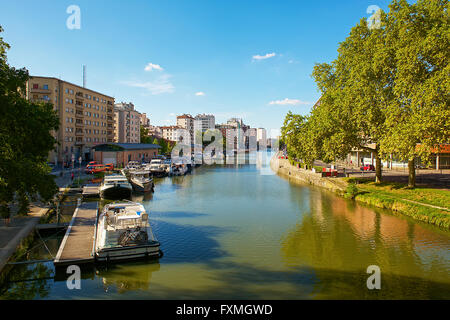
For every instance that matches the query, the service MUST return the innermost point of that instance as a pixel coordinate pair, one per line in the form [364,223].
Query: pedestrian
[72,176]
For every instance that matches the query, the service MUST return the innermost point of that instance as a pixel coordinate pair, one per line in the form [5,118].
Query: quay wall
[284,168]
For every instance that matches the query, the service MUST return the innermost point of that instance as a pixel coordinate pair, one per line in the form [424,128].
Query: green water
[233,233]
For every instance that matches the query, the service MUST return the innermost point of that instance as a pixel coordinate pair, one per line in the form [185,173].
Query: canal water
[236,232]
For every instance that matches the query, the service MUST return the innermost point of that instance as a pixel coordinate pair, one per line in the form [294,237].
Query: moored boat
[141,181]
[124,232]
[157,168]
[115,186]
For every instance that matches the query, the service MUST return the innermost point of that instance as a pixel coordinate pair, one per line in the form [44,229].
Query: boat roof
[139,172]
[115,177]
[131,209]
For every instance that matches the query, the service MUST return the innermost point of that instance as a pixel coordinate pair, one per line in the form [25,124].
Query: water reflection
[229,232]
[128,276]
[26,282]
[340,239]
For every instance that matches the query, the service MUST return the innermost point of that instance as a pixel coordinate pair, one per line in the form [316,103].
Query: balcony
[79,132]
[79,95]
[79,123]
[79,114]
[39,90]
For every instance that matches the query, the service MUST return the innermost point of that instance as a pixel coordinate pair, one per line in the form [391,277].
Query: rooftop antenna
[84,76]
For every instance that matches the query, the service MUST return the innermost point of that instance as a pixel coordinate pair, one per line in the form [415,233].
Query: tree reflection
[128,276]
[339,239]
[26,282]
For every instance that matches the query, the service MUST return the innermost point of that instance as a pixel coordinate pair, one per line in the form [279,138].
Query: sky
[249,59]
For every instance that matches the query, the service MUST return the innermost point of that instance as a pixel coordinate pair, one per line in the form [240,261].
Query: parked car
[91,163]
[367,167]
[109,166]
[95,168]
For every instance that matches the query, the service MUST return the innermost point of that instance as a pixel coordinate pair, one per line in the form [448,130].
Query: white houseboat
[115,186]
[123,232]
[141,181]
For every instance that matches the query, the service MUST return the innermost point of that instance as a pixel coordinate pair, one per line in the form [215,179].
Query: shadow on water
[188,243]
[244,281]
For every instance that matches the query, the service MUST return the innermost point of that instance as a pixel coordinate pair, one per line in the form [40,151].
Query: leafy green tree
[356,90]
[418,119]
[25,141]
[387,92]
[145,138]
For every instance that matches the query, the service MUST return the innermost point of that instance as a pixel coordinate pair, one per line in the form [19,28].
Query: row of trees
[166,146]
[25,141]
[387,92]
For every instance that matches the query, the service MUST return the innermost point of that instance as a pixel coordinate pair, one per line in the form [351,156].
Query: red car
[109,166]
[367,167]
[95,168]
[91,163]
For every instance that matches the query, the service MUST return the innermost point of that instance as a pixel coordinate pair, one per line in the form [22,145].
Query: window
[46,86]
[35,86]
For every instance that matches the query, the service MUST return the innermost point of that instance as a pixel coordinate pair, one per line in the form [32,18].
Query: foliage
[387,92]
[418,119]
[351,191]
[25,140]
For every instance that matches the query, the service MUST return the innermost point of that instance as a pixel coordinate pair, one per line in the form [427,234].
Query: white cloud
[291,102]
[159,86]
[200,94]
[151,66]
[266,56]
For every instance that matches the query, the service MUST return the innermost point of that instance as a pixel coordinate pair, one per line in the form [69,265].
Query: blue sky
[250,59]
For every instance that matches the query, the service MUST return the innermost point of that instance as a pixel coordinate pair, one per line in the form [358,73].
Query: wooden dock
[91,191]
[77,247]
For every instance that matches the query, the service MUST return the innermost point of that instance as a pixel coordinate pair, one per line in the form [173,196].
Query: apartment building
[86,117]
[186,121]
[145,121]
[170,133]
[203,122]
[127,123]
[155,131]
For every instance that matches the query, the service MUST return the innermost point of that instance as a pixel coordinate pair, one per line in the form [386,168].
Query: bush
[352,191]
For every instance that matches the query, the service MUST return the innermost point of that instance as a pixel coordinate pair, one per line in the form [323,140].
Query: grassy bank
[397,197]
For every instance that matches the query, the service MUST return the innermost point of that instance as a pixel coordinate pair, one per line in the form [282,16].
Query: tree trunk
[378,168]
[412,174]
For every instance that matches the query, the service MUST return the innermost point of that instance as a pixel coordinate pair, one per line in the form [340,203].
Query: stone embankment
[284,168]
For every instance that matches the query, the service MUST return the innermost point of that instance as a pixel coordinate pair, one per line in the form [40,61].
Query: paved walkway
[20,227]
